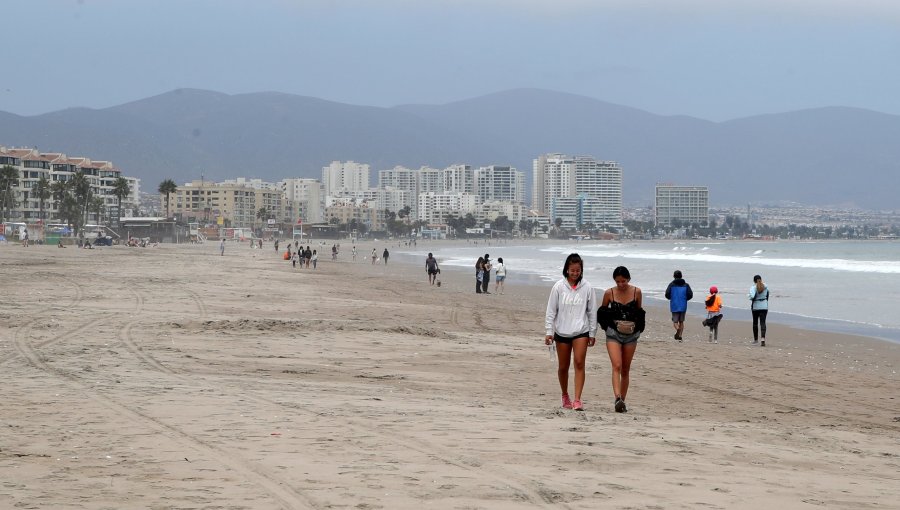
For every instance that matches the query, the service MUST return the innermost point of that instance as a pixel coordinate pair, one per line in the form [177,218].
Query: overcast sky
[714,59]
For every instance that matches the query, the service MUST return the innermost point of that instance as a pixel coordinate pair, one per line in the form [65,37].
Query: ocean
[838,286]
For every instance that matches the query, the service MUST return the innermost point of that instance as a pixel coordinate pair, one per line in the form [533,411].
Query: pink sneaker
[567,404]
[577,406]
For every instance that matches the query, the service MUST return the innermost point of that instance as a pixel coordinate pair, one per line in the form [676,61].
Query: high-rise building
[459,179]
[307,197]
[500,183]
[686,204]
[345,176]
[558,176]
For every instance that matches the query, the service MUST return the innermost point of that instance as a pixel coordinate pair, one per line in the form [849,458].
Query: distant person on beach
[294,258]
[307,255]
[479,274]
[570,321]
[678,293]
[431,267]
[353,252]
[374,256]
[487,274]
[334,252]
[276,245]
[759,307]
[621,316]
[713,313]
[501,274]
[385,256]
[25,237]
[315,258]
[222,247]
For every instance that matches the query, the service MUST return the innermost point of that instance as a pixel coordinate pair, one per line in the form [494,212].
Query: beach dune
[172,377]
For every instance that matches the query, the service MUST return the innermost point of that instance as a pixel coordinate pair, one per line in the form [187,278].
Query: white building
[307,197]
[500,183]
[458,179]
[345,176]
[686,204]
[559,176]
[436,207]
[491,210]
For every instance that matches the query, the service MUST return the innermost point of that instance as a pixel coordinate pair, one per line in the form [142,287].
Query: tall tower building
[687,204]
[558,176]
[459,179]
[501,183]
[345,176]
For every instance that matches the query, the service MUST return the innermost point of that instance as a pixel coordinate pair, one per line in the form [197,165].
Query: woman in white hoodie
[571,322]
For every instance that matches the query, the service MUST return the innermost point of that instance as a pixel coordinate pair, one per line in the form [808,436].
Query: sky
[712,59]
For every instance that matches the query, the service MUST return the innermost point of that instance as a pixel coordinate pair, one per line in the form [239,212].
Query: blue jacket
[678,293]
[759,300]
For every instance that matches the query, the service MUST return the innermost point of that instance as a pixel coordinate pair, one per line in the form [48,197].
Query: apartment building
[32,165]
[233,204]
[559,176]
[436,207]
[307,197]
[686,204]
[345,176]
[500,183]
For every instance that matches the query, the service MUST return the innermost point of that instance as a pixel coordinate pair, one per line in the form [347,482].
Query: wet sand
[171,377]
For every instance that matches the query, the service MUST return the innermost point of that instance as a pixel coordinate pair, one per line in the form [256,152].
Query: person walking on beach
[385,256]
[315,258]
[570,321]
[276,245]
[486,278]
[678,293]
[501,275]
[479,274]
[374,256]
[431,267]
[353,252]
[621,316]
[713,313]
[307,255]
[759,307]
[222,247]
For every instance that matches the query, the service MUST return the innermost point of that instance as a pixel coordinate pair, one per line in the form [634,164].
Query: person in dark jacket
[678,293]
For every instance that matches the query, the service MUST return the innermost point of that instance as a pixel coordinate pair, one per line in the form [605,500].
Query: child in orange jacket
[713,313]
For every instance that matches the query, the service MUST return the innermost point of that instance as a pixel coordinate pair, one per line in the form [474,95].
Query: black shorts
[568,339]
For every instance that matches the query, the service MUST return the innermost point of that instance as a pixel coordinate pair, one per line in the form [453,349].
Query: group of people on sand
[483,268]
[573,319]
[679,293]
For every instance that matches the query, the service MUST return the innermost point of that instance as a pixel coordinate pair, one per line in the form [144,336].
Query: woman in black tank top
[625,301]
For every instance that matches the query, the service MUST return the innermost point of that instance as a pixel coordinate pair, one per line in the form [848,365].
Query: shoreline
[696,310]
[175,377]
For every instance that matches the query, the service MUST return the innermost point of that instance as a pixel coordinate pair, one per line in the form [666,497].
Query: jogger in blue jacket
[678,293]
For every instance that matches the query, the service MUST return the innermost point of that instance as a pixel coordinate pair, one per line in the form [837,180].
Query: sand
[171,377]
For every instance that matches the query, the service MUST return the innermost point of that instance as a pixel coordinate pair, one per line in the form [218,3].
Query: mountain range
[833,156]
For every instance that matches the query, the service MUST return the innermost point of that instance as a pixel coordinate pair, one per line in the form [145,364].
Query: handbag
[626,327]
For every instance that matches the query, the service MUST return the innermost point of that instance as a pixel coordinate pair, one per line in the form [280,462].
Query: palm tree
[96,206]
[121,189]
[262,214]
[167,187]
[81,189]
[9,177]
[42,193]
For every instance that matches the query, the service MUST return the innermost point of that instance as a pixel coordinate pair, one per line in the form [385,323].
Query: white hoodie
[571,311]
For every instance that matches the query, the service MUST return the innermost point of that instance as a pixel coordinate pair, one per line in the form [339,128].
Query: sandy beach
[172,377]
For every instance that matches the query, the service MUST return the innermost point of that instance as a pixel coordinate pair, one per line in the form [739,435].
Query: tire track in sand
[521,487]
[277,489]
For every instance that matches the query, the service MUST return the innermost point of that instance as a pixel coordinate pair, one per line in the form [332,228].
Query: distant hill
[823,156]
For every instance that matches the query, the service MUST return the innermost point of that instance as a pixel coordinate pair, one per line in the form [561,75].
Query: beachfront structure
[583,212]
[562,176]
[57,167]
[681,205]
[233,205]
[307,197]
[345,176]
[500,183]
[493,209]
[349,210]
[436,207]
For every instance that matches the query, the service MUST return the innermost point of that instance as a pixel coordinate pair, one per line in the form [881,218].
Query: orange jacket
[716,305]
